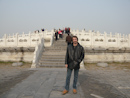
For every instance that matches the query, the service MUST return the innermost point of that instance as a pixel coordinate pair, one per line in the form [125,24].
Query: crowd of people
[61,32]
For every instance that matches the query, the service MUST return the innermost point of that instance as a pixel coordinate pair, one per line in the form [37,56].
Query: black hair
[75,37]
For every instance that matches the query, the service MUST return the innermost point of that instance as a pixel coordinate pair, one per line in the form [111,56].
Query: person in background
[42,30]
[60,33]
[56,35]
[68,39]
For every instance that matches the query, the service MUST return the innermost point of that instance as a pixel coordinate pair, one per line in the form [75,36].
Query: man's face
[75,41]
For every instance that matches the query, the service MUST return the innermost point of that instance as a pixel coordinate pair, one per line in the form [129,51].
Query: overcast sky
[30,15]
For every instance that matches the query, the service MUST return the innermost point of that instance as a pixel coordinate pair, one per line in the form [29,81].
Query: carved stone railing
[38,53]
[26,40]
[96,39]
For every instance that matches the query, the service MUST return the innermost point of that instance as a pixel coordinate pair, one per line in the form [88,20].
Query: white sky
[30,15]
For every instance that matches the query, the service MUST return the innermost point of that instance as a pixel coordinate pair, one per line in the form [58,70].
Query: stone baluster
[16,40]
[90,31]
[110,34]
[82,31]
[105,39]
[29,39]
[129,40]
[98,33]
[92,39]
[118,40]
[5,39]
[23,34]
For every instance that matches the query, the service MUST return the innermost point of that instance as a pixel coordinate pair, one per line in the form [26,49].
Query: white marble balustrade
[96,39]
[27,40]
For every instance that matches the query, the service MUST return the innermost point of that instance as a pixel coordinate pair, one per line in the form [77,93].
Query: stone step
[55,50]
[59,45]
[56,47]
[61,50]
[52,66]
[60,42]
[54,53]
[52,60]
[54,56]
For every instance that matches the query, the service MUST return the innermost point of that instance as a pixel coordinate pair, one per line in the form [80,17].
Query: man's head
[75,39]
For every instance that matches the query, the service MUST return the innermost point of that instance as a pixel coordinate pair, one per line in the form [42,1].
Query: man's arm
[82,55]
[66,58]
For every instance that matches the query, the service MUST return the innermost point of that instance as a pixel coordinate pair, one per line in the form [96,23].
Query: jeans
[69,71]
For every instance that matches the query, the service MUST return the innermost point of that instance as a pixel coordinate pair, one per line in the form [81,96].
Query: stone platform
[44,83]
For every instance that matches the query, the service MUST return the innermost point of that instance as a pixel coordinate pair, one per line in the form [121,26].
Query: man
[74,56]
[56,35]
[68,39]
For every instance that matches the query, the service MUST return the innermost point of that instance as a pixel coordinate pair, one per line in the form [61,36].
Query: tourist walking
[68,39]
[56,35]
[74,56]
[60,33]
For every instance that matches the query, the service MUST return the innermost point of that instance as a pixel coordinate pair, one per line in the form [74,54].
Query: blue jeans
[69,71]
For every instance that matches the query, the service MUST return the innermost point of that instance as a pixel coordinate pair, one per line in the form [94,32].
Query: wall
[25,47]
[17,54]
[109,55]
[96,39]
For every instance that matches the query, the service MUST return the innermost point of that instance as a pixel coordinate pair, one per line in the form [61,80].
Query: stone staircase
[54,56]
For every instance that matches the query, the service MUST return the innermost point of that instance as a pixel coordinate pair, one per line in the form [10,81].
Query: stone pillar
[105,39]
[83,31]
[98,33]
[5,39]
[29,39]
[118,40]
[16,40]
[126,40]
[52,30]
[89,31]
[129,40]
[23,33]
[92,39]
[110,34]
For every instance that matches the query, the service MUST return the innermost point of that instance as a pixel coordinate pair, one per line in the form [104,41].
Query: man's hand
[66,65]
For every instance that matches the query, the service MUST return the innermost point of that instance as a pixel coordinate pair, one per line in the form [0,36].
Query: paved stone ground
[105,83]
[44,83]
[49,83]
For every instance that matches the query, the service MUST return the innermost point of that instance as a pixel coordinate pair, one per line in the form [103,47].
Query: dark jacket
[68,39]
[74,56]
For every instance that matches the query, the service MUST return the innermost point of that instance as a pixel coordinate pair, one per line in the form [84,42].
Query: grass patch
[9,64]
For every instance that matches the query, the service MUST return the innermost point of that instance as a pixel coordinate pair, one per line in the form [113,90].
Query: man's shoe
[64,92]
[74,91]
